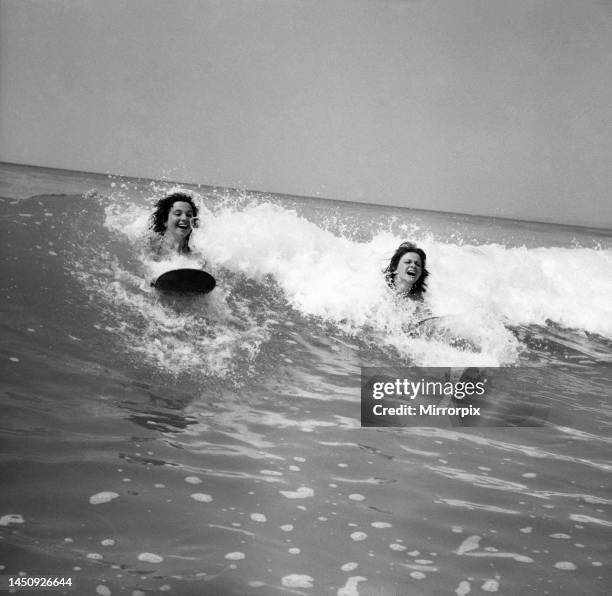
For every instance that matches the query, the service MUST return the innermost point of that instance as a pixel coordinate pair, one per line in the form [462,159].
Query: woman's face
[179,224]
[409,270]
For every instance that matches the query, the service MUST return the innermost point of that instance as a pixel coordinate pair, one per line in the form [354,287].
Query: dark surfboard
[185,281]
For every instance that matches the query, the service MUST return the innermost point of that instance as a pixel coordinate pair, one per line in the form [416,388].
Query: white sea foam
[587,519]
[330,275]
[490,585]
[201,497]
[358,536]
[381,525]
[522,285]
[470,545]
[349,566]
[565,565]
[103,497]
[296,580]
[150,558]
[301,493]
[235,556]
[350,588]
[11,518]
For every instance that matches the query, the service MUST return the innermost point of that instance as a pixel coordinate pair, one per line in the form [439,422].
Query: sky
[487,107]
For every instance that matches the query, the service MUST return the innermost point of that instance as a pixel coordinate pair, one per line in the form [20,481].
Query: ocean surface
[213,445]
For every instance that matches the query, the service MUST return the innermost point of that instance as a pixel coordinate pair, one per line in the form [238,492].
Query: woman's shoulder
[154,246]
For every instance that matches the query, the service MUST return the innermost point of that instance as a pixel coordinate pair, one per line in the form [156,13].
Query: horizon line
[263,192]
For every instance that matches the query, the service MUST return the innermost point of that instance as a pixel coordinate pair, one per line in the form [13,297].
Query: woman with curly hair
[406,272]
[173,220]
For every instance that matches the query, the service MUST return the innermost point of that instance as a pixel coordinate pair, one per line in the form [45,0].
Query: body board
[186,281]
[427,319]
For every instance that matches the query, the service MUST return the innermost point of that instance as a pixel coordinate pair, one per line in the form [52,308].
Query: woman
[173,220]
[406,272]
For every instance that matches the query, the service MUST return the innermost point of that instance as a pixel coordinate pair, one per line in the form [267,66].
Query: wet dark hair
[162,209]
[419,287]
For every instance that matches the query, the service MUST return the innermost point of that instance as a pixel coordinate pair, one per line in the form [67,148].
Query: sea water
[212,445]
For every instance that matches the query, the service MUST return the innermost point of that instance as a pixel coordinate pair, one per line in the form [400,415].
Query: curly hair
[419,287]
[163,207]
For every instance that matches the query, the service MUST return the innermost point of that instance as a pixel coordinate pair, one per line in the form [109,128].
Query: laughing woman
[406,272]
[173,220]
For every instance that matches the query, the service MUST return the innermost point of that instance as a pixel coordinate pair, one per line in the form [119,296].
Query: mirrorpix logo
[413,396]
[442,397]
[435,396]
